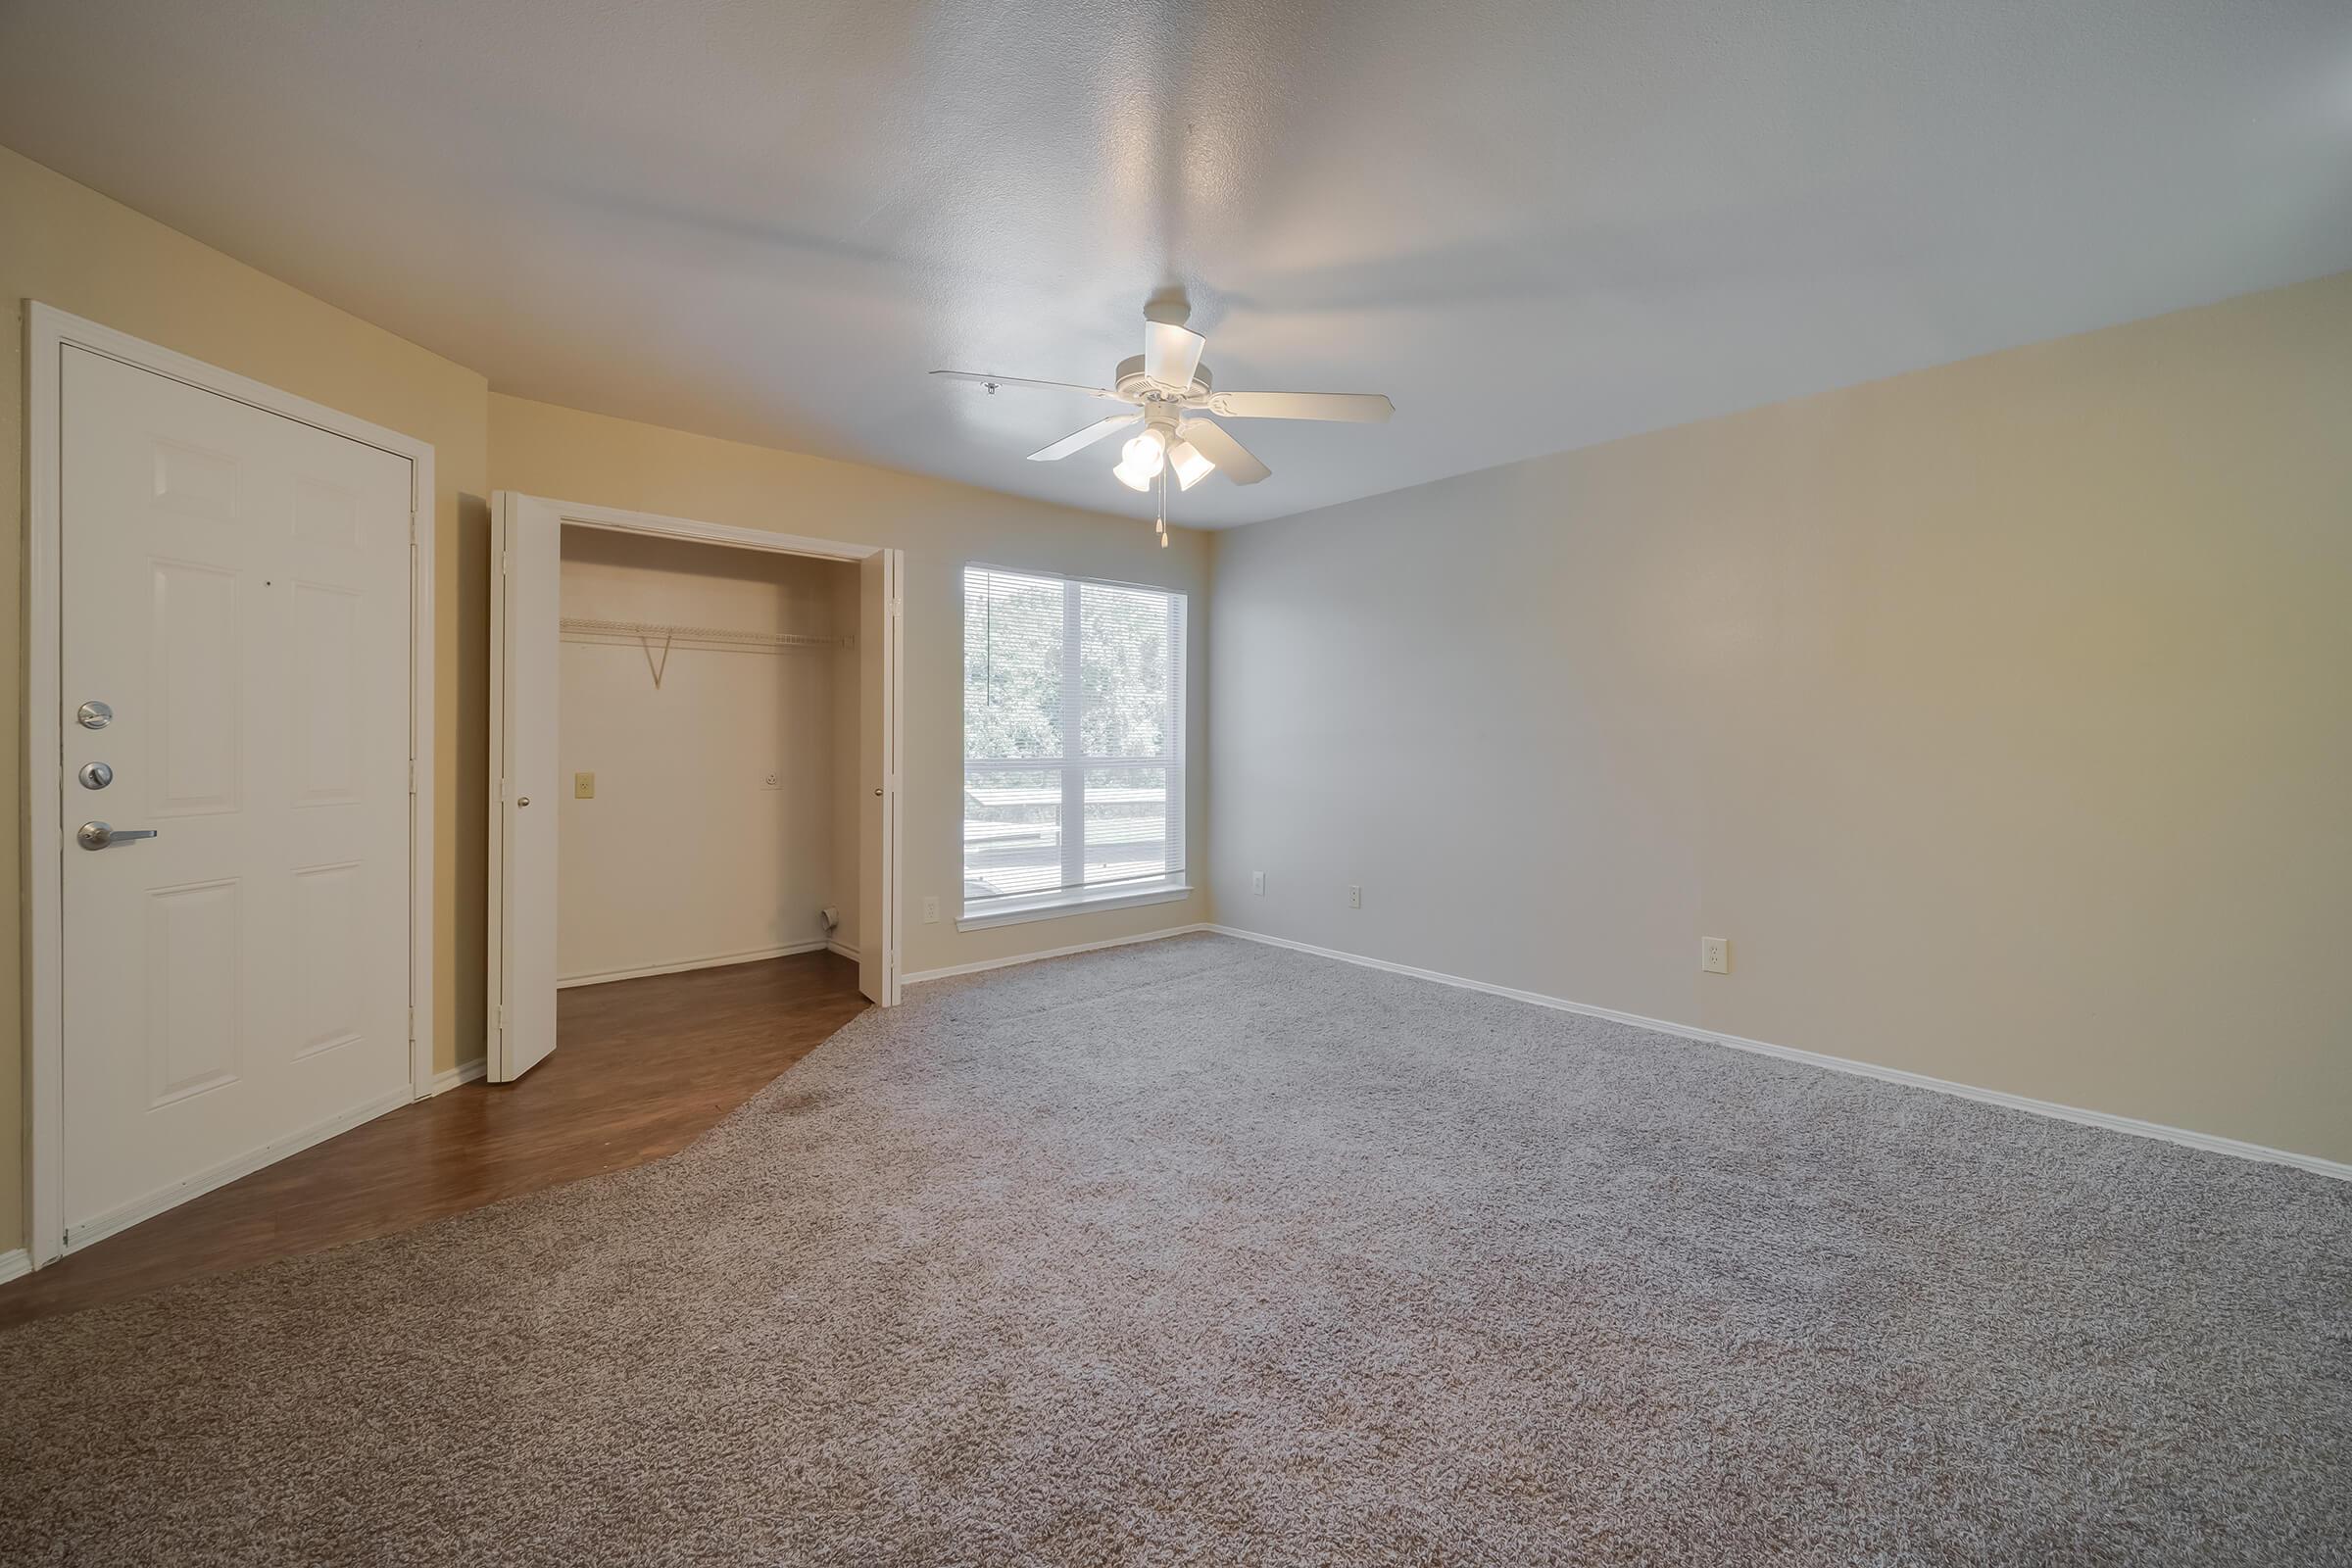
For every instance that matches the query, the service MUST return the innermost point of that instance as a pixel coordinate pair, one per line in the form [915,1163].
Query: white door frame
[615,520]
[48,332]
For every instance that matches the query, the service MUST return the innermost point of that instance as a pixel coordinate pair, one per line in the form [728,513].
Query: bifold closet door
[878,654]
[525,697]
[526,608]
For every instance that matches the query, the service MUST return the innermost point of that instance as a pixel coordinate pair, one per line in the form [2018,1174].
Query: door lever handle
[98,835]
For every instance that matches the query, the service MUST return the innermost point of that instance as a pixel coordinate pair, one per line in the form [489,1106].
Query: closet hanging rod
[588,630]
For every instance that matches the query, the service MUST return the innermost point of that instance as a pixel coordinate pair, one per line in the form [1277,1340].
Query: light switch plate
[583,786]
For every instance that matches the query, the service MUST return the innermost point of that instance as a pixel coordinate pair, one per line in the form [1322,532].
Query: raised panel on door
[194,969]
[235,585]
[328,750]
[193,714]
[328,957]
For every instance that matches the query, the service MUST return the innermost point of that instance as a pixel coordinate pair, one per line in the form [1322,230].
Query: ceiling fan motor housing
[1132,383]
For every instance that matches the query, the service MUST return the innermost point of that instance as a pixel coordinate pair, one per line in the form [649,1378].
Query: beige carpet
[1205,1251]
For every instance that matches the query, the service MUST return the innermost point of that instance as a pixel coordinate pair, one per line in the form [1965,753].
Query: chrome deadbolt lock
[95,775]
[93,715]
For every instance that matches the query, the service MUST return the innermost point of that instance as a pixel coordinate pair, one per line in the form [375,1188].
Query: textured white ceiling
[1535,225]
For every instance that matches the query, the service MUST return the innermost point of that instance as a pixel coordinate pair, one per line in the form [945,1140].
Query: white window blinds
[1073,740]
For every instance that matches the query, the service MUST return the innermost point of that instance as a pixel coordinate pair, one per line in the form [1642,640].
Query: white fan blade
[1217,445]
[988,381]
[1366,407]
[1079,440]
[1170,353]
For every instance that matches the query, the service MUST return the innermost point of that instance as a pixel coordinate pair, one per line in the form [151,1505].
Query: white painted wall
[685,855]
[1997,714]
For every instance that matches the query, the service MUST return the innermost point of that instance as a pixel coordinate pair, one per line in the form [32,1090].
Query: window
[1073,745]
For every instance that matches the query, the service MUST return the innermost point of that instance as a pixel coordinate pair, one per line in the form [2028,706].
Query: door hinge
[411,1026]
[412,775]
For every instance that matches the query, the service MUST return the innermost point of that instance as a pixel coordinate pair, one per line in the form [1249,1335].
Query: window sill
[1075,903]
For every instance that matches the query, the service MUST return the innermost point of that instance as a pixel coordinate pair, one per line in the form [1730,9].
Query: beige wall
[561,453]
[2001,714]
[686,854]
[65,245]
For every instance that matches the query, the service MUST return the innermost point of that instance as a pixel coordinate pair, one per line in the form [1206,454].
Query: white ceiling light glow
[1147,454]
[1190,465]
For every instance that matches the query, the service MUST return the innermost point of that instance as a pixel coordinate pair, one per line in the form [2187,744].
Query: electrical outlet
[1715,955]
[583,786]
[1257,883]
[1355,898]
[930,909]
[772,779]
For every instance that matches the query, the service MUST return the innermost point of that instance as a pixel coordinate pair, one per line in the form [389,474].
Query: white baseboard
[15,1264]
[125,1215]
[1052,953]
[2209,1141]
[717,960]
[448,1078]
[849,950]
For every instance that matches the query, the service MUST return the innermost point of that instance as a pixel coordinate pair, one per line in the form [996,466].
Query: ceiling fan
[1170,394]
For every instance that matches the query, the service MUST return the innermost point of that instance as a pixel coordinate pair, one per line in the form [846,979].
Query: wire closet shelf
[663,637]
[580,629]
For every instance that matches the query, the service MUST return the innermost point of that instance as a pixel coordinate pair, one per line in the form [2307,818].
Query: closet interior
[708,750]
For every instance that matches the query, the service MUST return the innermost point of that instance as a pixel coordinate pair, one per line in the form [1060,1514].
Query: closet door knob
[523,800]
[877,791]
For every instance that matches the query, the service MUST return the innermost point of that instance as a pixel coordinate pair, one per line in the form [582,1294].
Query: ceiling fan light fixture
[1190,464]
[1147,454]
[1169,392]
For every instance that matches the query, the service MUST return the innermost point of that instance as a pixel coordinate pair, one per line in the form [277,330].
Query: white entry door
[526,613]
[233,653]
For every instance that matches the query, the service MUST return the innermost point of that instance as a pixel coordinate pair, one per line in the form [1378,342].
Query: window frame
[1072,766]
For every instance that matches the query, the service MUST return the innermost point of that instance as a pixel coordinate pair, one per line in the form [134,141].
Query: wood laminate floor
[642,1067]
